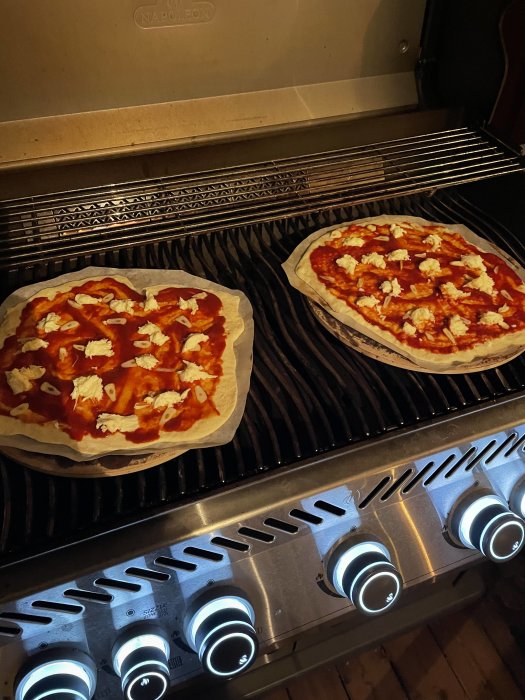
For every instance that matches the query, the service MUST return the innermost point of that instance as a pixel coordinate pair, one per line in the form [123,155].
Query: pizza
[99,366]
[421,288]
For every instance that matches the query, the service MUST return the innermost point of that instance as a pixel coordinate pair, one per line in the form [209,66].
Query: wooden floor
[476,654]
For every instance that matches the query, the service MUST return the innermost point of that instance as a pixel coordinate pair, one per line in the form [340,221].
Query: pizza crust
[302,277]
[229,396]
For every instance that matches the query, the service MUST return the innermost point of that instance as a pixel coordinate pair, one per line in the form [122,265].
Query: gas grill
[355,497]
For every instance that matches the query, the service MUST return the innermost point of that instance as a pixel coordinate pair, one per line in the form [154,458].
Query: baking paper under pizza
[100,365]
[437,294]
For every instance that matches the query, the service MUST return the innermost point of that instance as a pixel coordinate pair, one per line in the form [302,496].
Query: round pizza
[99,366]
[421,288]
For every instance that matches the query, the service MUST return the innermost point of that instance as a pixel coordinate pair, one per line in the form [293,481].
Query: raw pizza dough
[187,423]
[345,268]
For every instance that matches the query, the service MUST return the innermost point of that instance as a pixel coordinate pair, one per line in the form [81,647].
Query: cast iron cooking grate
[309,394]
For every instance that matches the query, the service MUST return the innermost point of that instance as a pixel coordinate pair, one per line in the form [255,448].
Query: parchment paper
[290,266]
[140,278]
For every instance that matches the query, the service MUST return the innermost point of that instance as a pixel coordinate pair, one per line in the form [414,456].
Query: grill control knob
[57,674]
[484,522]
[140,658]
[364,573]
[221,631]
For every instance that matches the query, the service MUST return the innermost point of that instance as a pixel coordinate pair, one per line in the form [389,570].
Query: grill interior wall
[309,393]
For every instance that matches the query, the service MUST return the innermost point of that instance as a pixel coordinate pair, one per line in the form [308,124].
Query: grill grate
[45,228]
[309,394]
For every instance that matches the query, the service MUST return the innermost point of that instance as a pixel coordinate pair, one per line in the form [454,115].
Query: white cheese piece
[84,299]
[189,305]
[430,266]
[433,240]
[457,326]
[49,323]
[408,328]
[337,233]
[88,387]
[396,231]
[391,287]
[371,227]
[146,361]
[200,295]
[491,318]
[449,289]
[156,336]
[374,259]
[398,255]
[193,372]
[96,348]
[503,309]
[193,342]
[368,302]
[420,315]
[151,304]
[166,398]
[34,344]
[483,283]
[473,262]
[122,306]
[21,379]
[347,263]
[113,423]
[356,241]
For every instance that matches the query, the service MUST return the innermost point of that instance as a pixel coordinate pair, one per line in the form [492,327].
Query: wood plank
[422,668]
[276,694]
[323,684]
[497,629]
[370,676]
[474,659]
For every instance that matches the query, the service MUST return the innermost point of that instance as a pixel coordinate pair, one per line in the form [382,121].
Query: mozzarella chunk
[166,398]
[356,241]
[21,379]
[34,344]
[408,328]
[151,304]
[396,231]
[193,373]
[374,259]
[146,361]
[398,255]
[449,289]
[347,263]
[473,262]
[121,306]
[367,302]
[491,318]
[430,266]
[457,326]
[156,336]
[433,240]
[85,299]
[96,348]
[193,342]
[371,227]
[391,287]
[189,305]
[483,283]
[49,323]
[420,315]
[113,423]
[337,233]
[88,387]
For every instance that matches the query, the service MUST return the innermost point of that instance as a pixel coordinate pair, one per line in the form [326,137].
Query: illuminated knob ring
[142,664]
[222,634]
[58,677]
[364,573]
[485,523]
